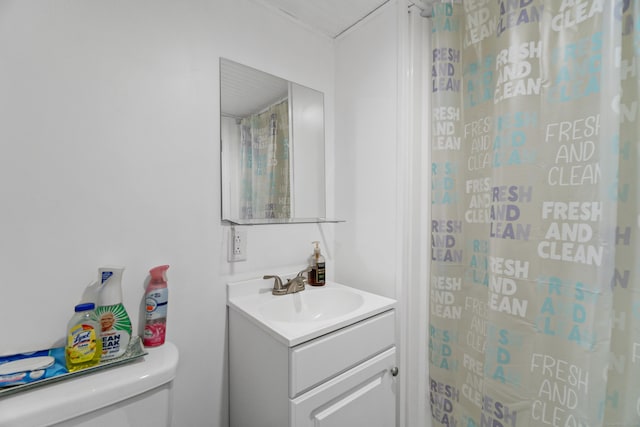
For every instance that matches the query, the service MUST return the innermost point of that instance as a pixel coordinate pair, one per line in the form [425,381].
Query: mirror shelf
[265,221]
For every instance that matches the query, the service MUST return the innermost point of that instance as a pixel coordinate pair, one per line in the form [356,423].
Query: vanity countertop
[299,317]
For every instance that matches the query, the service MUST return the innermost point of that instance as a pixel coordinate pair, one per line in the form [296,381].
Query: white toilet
[137,394]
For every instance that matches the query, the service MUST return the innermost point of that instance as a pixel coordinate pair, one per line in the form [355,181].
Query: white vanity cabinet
[340,378]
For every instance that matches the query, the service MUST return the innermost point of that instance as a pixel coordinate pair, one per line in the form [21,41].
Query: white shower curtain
[534,289]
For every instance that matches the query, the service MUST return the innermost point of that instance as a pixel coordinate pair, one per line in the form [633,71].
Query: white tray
[134,351]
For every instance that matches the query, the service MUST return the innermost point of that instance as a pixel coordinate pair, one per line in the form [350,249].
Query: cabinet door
[363,396]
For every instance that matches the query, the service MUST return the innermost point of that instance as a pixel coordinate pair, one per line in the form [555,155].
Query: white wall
[382,180]
[308,155]
[366,153]
[109,142]
[231,152]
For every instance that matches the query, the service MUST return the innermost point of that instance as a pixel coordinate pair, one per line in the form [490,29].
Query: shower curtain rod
[426,5]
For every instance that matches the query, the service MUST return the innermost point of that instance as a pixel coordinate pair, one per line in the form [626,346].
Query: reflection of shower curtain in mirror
[535,276]
[265,187]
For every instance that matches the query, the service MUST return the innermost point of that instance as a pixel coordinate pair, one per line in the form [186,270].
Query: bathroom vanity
[322,357]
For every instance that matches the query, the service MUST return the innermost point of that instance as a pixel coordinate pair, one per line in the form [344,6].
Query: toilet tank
[137,394]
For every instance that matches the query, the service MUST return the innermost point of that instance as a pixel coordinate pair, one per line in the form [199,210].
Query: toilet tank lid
[64,400]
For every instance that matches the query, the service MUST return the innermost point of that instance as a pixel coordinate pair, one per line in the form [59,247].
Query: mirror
[272,148]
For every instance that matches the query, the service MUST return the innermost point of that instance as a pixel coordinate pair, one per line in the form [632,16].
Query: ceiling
[329,17]
[245,90]
[333,17]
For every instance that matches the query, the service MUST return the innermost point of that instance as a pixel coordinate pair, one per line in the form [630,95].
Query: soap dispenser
[317,264]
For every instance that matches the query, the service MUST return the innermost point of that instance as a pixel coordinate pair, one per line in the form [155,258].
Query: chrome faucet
[292,286]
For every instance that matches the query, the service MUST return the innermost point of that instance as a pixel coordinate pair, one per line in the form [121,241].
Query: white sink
[299,317]
[312,306]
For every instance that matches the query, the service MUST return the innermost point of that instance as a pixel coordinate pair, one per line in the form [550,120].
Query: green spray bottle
[114,321]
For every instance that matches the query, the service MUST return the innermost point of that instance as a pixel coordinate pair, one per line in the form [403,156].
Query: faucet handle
[277,283]
[306,270]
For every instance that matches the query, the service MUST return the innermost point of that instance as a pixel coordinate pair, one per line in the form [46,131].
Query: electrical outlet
[237,245]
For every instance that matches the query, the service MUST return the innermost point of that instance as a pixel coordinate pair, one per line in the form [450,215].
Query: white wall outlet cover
[237,245]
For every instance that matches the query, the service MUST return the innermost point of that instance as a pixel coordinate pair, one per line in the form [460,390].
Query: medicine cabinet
[272,148]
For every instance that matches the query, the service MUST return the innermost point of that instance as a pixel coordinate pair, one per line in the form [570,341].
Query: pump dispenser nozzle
[91,293]
[158,274]
[110,278]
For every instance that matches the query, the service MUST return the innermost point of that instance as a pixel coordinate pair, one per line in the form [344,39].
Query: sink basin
[312,305]
[299,317]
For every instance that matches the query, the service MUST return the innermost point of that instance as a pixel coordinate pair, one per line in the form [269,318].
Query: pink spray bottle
[156,299]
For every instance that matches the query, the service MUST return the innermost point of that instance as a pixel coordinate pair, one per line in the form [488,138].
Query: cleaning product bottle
[84,346]
[115,325]
[156,298]
[317,272]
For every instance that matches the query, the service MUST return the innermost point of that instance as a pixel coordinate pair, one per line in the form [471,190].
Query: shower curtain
[534,311]
[264,158]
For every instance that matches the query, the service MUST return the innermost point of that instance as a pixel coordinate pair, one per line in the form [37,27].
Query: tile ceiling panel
[329,17]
